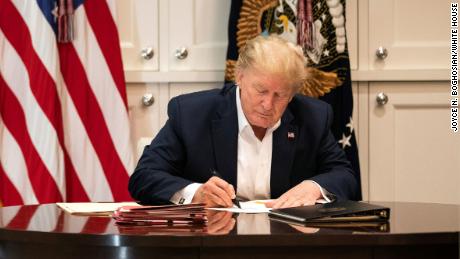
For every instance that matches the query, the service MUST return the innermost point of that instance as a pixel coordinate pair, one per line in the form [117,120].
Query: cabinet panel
[413,155]
[200,26]
[137,22]
[144,120]
[352,32]
[185,88]
[415,33]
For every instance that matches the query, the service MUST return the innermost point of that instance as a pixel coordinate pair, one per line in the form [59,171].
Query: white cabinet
[415,34]
[351,15]
[145,118]
[199,27]
[413,154]
[176,89]
[137,22]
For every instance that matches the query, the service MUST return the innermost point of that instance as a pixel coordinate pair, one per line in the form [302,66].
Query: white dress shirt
[254,163]
[254,158]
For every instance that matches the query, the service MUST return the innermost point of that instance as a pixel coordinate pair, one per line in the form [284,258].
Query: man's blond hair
[274,55]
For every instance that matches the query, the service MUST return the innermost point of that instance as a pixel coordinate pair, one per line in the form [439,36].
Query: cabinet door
[144,117]
[137,22]
[200,27]
[413,154]
[176,89]
[414,32]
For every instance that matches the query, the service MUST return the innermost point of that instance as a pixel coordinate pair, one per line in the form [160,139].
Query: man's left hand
[305,193]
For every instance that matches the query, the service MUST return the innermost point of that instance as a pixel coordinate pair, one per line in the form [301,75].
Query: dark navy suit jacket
[201,135]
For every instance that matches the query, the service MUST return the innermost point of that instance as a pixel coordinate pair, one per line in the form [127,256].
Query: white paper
[254,206]
[93,207]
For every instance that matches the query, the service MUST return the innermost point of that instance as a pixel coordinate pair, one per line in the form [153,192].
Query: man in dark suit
[255,139]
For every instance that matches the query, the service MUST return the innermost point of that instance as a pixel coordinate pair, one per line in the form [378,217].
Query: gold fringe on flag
[230,70]
[319,83]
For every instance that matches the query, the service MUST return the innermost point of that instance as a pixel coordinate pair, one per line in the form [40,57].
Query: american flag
[64,127]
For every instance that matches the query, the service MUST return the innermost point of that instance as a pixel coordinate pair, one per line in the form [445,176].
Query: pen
[235,201]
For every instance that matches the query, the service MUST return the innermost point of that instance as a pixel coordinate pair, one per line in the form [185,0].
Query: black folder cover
[338,211]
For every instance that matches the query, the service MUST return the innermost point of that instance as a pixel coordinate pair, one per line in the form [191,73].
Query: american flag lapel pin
[291,135]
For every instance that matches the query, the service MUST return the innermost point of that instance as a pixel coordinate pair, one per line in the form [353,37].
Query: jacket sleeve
[158,173]
[335,173]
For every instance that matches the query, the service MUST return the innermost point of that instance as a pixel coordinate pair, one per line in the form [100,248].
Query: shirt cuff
[185,195]
[327,196]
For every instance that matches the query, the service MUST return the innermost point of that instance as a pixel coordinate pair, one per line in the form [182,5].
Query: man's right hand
[215,193]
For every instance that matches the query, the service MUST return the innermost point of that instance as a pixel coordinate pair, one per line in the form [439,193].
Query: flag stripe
[106,33]
[80,91]
[103,87]
[44,186]
[42,37]
[8,189]
[74,187]
[14,169]
[80,148]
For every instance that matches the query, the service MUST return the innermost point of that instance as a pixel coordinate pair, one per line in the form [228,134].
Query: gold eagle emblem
[318,83]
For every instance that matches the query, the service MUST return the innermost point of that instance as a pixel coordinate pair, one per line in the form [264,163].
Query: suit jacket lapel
[284,143]
[225,138]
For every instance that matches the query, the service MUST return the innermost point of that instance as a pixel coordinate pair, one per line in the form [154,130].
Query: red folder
[167,215]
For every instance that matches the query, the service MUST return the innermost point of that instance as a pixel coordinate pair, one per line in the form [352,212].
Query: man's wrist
[324,194]
[185,195]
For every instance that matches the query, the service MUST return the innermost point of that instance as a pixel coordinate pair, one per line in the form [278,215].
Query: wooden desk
[415,230]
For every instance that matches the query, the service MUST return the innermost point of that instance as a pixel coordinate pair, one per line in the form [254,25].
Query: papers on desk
[255,206]
[93,208]
[107,208]
[162,216]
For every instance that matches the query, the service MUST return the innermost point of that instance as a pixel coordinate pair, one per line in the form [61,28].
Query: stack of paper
[167,215]
[93,208]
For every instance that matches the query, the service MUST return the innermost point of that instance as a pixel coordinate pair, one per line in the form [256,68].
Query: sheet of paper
[254,206]
[92,207]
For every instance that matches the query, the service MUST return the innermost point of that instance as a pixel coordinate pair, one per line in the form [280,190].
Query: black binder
[338,211]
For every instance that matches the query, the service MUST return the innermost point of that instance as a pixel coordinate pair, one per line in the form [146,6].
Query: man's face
[264,97]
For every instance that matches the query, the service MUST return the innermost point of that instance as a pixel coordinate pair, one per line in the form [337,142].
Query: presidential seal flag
[319,27]
[64,128]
